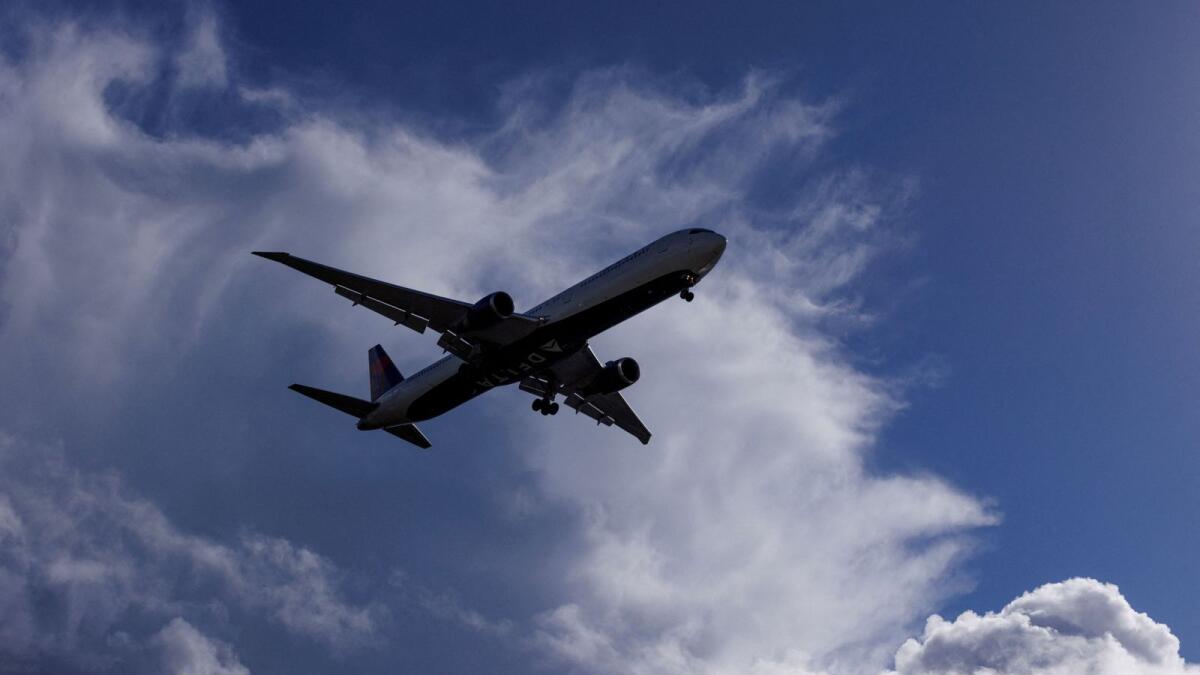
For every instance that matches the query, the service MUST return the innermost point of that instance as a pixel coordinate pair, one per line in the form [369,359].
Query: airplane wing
[413,309]
[575,371]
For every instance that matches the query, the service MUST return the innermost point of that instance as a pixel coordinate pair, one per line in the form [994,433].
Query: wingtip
[271,255]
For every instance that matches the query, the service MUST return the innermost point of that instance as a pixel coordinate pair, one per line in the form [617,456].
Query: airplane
[489,345]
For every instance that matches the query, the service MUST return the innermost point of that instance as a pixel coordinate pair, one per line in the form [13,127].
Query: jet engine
[488,312]
[615,376]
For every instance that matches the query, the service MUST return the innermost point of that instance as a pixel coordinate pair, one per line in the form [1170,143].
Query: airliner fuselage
[544,349]
[640,280]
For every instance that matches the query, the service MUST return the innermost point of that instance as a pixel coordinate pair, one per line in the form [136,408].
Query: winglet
[277,256]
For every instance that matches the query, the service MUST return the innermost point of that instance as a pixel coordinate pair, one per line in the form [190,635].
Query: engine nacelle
[488,312]
[614,377]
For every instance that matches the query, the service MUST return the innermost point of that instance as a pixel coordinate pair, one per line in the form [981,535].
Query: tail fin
[384,375]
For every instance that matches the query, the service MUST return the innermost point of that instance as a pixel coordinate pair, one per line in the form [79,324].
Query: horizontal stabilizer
[410,433]
[347,404]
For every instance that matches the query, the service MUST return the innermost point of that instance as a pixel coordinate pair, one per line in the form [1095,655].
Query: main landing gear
[545,406]
[687,294]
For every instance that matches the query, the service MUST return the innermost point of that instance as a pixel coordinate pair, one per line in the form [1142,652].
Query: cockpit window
[697,230]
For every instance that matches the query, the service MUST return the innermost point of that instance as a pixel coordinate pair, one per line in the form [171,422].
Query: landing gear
[688,280]
[545,406]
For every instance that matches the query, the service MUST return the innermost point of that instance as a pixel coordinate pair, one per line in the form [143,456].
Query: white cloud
[748,534]
[308,603]
[83,567]
[202,62]
[1077,626]
[183,650]
[749,537]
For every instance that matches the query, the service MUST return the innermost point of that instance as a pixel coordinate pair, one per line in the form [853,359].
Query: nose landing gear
[689,279]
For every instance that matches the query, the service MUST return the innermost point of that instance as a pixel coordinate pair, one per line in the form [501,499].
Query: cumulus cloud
[183,650]
[88,576]
[1077,626]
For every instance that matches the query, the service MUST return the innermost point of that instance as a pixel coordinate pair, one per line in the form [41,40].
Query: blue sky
[953,336]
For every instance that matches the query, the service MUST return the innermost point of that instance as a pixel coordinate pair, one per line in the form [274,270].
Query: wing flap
[611,409]
[536,386]
[582,405]
[413,309]
[439,312]
[399,316]
[576,370]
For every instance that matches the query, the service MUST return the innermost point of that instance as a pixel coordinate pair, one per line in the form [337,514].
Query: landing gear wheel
[553,409]
[538,405]
[687,295]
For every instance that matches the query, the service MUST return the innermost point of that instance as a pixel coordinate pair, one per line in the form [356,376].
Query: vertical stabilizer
[384,375]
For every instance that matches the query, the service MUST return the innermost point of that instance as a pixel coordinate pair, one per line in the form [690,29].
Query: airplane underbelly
[510,366]
[617,307]
[442,398]
[541,349]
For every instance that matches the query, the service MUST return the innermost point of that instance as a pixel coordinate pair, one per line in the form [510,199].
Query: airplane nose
[711,245]
[714,244]
[718,244]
